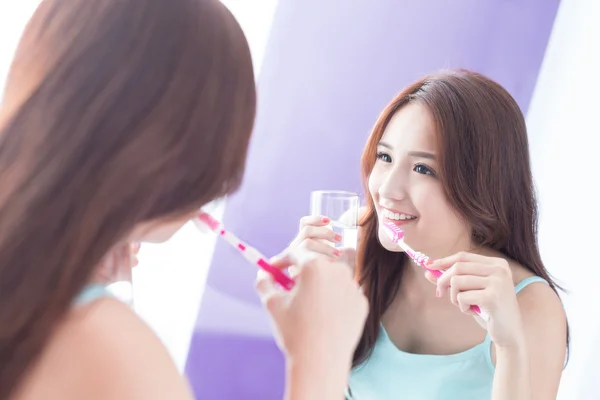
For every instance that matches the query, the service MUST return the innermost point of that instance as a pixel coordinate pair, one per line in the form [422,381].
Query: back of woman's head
[116,112]
[484,169]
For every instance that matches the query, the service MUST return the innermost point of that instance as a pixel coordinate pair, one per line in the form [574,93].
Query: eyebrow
[417,154]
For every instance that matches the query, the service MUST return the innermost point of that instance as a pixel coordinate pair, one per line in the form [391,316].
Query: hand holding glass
[341,208]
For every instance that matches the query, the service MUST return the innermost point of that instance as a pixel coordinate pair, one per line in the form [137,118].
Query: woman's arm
[532,369]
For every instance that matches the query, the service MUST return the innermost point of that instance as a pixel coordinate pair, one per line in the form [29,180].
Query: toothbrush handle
[255,257]
[285,281]
[252,255]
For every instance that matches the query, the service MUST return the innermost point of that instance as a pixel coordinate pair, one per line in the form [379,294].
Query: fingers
[319,247]
[317,232]
[306,251]
[292,256]
[270,296]
[466,299]
[314,220]
[464,283]
[462,268]
[315,227]
[264,283]
[430,277]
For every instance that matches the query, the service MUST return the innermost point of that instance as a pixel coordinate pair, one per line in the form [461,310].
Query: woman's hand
[117,264]
[473,279]
[317,324]
[315,236]
[322,318]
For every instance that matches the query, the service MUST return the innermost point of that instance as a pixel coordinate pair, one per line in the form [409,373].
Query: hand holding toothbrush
[318,319]
[317,324]
[397,236]
[485,281]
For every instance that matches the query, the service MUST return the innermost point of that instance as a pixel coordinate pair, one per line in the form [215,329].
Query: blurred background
[325,69]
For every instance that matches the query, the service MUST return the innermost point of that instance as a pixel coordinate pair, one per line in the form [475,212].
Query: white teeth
[396,216]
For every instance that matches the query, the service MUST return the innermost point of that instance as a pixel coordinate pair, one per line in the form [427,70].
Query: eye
[384,157]
[423,169]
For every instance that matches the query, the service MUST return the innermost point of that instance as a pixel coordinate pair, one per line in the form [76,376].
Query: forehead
[411,127]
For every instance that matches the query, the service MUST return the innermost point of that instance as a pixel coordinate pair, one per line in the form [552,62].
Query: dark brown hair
[484,169]
[116,112]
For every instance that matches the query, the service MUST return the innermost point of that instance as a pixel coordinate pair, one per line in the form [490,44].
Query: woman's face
[406,190]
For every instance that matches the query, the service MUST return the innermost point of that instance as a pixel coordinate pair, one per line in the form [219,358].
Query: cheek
[429,199]
[374,184]
[373,188]
[438,217]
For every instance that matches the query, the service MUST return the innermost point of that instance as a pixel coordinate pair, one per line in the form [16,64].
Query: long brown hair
[116,112]
[484,169]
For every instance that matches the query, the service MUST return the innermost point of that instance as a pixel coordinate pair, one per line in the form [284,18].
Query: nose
[393,184]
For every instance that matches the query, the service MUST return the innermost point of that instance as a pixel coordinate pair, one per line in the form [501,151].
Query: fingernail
[337,237]
[430,262]
[325,220]
[337,253]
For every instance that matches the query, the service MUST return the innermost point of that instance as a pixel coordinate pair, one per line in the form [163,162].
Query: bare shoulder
[544,318]
[537,296]
[541,305]
[105,351]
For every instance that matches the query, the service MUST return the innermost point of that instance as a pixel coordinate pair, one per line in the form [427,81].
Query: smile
[396,216]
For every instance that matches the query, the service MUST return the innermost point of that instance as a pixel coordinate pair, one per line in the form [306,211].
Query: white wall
[565,146]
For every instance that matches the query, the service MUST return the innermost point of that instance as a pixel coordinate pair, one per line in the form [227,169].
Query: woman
[448,162]
[121,118]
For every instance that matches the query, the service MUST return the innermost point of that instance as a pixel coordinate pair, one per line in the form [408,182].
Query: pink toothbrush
[249,253]
[397,236]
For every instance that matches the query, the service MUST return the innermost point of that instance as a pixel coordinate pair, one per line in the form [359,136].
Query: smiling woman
[448,161]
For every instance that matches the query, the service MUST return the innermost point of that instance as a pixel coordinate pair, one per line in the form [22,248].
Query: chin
[387,243]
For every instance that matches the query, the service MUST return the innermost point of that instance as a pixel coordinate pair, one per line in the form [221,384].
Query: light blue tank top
[392,374]
[91,293]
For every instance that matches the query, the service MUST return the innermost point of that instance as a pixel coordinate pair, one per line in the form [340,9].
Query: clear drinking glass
[341,208]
